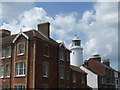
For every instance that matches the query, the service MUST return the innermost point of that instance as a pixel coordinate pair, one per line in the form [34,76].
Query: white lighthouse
[76,56]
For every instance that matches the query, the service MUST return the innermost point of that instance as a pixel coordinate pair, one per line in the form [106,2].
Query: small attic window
[21,48]
[46,50]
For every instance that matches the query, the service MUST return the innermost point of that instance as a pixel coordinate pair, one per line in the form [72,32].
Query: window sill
[45,76]
[46,56]
[20,54]
[83,82]
[61,78]
[74,81]
[20,76]
[7,77]
[61,59]
[1,77]
[2,58]
[8,57]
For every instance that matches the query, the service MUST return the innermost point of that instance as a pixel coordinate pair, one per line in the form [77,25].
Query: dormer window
[8,53]
[21,47]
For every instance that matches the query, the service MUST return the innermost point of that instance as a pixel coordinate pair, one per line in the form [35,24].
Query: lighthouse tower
[76,56]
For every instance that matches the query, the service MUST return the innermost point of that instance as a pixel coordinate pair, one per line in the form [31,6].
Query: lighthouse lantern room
[76,56]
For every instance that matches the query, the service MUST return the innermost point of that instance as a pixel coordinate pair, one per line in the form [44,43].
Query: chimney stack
[106,62]
[44,28]
[96,58]
[4,33]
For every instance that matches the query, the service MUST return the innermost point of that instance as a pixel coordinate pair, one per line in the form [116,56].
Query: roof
[91,70]
[101,64]
[31,34]
[62,44]
[77,69]
[7,40]
[105,66]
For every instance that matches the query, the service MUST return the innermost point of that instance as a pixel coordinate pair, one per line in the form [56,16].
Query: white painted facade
[92,78]
[76,56]
[117,83]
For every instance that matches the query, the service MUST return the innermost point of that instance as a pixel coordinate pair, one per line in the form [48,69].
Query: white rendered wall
[116,78]
[76,56]
[92,79]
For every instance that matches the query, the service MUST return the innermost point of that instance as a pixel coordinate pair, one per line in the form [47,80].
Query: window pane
[20,68]
[61,54]
[7,87]
[74,77]
[21,48]
[19,87]
[68,56]
[3,53]
[46,50]
[1,70]
[8,51]
[45,70]
[61,73]
[8,70]
[83,79]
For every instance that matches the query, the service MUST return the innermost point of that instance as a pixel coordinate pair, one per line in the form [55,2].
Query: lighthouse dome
[76,38]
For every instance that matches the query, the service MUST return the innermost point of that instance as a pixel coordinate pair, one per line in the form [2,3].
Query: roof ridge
[42,34]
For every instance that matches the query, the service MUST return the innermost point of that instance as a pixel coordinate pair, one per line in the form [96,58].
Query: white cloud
[98,26]
[11,10]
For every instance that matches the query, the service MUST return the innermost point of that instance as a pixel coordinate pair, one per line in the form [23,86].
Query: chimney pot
[106,62]
[96,58]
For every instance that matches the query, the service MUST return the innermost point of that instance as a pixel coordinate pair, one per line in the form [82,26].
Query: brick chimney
[44,28]
[106,62]
[4,33]
[96,58]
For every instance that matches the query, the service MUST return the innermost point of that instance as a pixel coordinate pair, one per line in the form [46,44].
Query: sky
[95,23]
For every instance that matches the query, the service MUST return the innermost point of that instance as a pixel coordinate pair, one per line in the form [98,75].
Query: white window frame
[7,52]
[17,71]
[2,70]
[45,69]
[7,70]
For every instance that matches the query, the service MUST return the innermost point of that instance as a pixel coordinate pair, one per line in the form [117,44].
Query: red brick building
[106,78]
[32,59]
